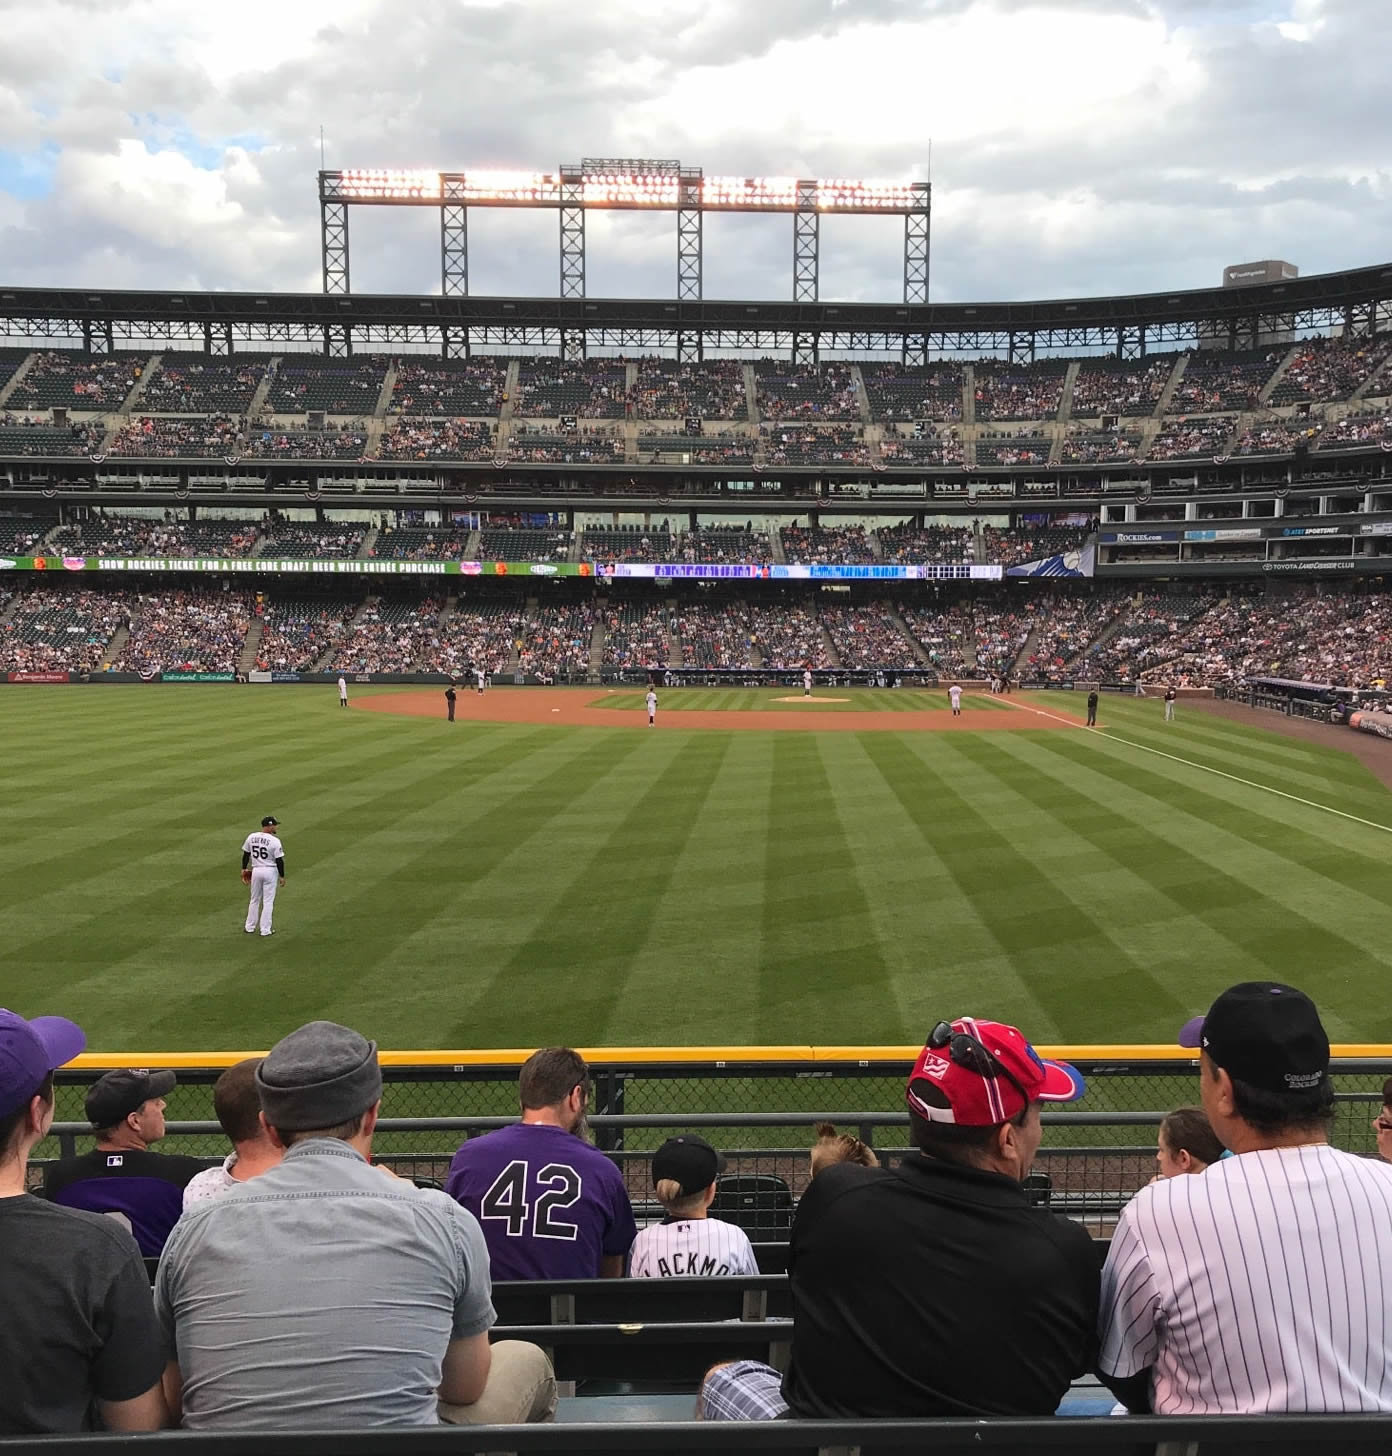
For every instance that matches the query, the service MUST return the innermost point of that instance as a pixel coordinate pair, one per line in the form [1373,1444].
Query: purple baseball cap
[29,1051]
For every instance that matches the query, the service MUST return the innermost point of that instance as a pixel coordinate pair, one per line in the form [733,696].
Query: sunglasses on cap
[967,1051]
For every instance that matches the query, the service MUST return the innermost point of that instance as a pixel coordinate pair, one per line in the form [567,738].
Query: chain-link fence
[1095,1153]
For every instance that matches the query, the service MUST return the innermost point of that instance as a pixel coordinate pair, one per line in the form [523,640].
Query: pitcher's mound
[803,698]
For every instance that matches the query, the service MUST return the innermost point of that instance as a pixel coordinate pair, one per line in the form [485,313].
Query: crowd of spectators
[448,387]
[715,635]
[667,390]
[732,449]
[453,439]
[944,634]
[314,538]
[925,446]
[1011,545]
[715,545]
[635,635]
[555,388]
[499,541]
[266,441]
[104,534]
[388,636]
[530,445]
[1018,391]
[556,641]
[999,449]
[866,636]
[50,630]
[20,534]
[898,392]
[787,392]
[1186,438]
[476,634]
[420,543]
[1353,431]
[21,435]
[1067,622]
[1272,436]
[1086,445]
[1329,369]
[802,444]
[1214,382]
[199,630]
[911,545]
[1150,628]
[193,386]
[336,386]
[161,438]
[1000,628]
[74,382]
[826,545]
[297,632]
[787,634]
[1123,388]
[628,543]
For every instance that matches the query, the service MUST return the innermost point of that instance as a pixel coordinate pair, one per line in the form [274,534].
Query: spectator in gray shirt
[327,1293]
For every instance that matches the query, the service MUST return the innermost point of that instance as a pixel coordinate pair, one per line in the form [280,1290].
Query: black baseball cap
[113,1097]
[270,822]
[689,1161]
[1265,1034]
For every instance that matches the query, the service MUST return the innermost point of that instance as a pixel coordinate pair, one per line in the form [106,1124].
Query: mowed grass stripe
[1065,955]
[819,947]
[602,913]
[1172,904]
[409,918]
[937,948]
[699,963]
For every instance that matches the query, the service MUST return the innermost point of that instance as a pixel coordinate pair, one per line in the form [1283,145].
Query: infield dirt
[573,707]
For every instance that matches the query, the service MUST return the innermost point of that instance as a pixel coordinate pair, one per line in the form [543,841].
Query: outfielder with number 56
[263,868]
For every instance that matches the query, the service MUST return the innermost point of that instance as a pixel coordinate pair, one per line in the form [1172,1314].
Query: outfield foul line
[1208,768]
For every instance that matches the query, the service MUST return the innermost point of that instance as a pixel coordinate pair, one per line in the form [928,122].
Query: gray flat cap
[319,1076]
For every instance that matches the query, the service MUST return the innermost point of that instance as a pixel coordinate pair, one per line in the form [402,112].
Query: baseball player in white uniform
[955,693]
[688,1240]
[807,682]
[263,868]
[479,677]
[652,707]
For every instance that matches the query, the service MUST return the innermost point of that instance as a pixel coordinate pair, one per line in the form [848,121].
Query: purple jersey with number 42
[550,1205]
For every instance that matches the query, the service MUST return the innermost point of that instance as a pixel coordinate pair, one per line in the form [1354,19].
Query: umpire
[449,701]
[1092,709]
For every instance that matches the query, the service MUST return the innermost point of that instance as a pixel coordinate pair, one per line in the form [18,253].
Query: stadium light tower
[629,185]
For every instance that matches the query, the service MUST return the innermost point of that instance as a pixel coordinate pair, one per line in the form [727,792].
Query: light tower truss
[628,185]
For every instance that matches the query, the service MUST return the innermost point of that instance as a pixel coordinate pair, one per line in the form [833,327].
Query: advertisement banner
[198,677]
[258,675]
[1236,533]
[701,571]
[1372,722]
[283,677]
[1138,538]
[295,566]
[38,677]
[1069,563]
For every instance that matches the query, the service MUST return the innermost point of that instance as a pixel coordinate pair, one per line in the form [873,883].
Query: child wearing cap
[688,1240]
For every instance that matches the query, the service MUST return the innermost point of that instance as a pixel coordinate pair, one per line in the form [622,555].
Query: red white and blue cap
[29,1051]
[978,1101]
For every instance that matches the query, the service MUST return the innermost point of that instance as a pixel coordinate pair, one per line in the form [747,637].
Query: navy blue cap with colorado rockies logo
[1265,1034]
[270,822]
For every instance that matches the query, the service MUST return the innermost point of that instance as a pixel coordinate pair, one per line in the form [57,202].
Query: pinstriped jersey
[701,1246]
[1261,1284]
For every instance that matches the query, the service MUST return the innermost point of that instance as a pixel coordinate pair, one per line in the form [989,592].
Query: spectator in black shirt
[936,1289]
[121,1176]
[79,1338]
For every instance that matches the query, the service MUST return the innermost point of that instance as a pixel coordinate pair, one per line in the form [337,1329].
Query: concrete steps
[1162,405]
[15,380]
[117,645]
[326,657]
[1269,387]
[251,648]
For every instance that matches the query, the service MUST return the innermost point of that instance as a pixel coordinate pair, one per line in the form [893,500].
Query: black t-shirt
[935,1290]
[79,1320]
[148,1188]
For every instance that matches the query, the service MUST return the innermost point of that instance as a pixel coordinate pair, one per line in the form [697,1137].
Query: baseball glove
[246,877]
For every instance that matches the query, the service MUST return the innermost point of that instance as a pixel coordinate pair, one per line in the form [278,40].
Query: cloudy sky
[1078,146]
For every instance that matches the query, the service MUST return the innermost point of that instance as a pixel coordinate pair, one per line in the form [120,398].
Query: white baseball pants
[264,880]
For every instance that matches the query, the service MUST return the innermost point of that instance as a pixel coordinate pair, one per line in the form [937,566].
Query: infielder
[479,676]
[263,868]
[1170,696]
[807,682]
[955,693]
[342,691]
[652,707]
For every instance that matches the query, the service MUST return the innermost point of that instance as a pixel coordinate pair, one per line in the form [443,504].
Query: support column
[333,244]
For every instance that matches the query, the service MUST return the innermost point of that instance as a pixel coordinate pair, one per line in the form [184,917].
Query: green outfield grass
[826,699]
[507,885]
